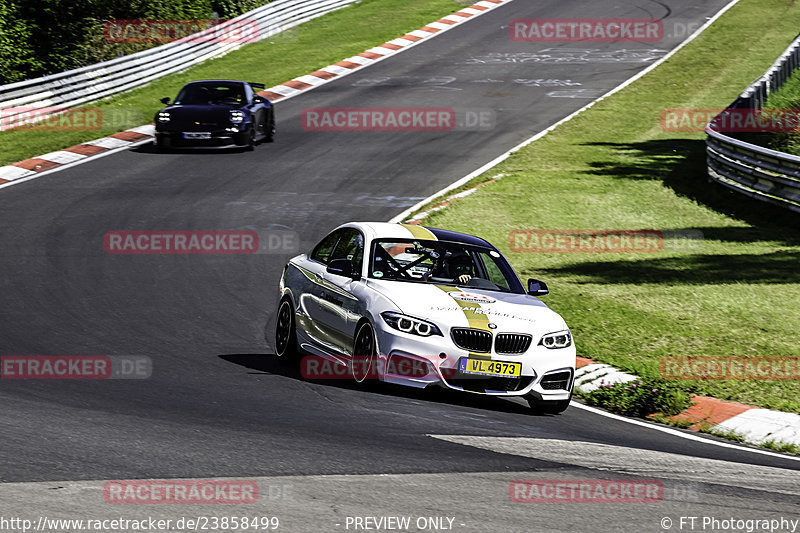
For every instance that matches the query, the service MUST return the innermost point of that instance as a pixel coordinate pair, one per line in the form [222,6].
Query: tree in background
[41,37]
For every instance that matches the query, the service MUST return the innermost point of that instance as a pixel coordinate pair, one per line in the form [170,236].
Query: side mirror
[259,100]
[343,267]
[537,288]
[165,100]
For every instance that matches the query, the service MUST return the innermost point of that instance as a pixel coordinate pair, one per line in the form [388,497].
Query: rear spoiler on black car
[256,85]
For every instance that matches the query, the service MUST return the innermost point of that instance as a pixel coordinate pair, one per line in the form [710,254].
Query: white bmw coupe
[424,307]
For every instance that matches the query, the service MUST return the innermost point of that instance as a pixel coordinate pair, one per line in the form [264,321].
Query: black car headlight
[409,324]
[163,116]
[559,339]
[237,117]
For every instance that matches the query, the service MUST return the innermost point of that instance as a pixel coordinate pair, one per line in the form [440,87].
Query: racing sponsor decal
[730,368]
[475,320]
[492,313]
[75,367]
[177,491]
[470,297]
[596,30]
[586,491]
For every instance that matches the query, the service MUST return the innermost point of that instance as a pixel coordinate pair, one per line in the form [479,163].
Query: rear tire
[285,333]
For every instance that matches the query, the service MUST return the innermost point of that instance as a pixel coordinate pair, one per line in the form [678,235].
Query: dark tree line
[40,37]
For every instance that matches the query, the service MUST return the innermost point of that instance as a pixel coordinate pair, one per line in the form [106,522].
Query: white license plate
[197,135]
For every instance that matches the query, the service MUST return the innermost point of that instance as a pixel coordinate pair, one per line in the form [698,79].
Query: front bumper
[216,137]
[417,361]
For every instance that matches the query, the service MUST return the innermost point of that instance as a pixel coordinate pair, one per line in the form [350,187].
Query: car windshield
[442,262]
[215,93]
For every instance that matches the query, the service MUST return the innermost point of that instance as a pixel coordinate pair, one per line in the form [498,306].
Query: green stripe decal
[420,232]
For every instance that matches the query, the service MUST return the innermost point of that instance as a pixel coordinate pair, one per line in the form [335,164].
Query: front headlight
[237,117]
[408,324]
[559,339]
[163,116]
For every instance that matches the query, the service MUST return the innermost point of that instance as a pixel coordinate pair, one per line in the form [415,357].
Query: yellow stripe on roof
[419,232]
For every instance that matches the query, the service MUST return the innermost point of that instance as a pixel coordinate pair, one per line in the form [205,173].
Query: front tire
[364,352]
[161,144]
[269,130]
[251,139]
[285,333]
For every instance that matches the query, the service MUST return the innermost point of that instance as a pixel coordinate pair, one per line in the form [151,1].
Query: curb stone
[754,424]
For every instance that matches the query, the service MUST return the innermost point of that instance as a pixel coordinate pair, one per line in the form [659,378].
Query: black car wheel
[285,333]
[364,351]
[162,144]
[251,139]
[269,132]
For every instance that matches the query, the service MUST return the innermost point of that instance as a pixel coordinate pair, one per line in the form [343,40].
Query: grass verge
[640,398]
[734,293]
[787,97]
[298,51]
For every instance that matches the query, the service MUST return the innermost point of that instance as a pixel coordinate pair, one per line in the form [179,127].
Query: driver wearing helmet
[460,267]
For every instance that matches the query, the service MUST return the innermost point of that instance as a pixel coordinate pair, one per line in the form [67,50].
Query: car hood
[451,306]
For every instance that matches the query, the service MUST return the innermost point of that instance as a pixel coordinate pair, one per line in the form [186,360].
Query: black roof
[456,236]
[215,81]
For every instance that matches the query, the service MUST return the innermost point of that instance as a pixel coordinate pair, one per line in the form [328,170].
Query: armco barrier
[86,84]
[750,169]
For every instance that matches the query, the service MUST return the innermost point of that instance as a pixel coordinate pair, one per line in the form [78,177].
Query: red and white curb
[589,378]
[53,161]
[75,154]
[753,424]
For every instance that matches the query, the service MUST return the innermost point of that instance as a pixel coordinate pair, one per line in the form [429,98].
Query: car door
[328,301]
[340,291]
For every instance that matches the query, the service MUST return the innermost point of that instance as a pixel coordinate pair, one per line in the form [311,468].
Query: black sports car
[215,113]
